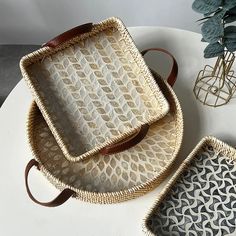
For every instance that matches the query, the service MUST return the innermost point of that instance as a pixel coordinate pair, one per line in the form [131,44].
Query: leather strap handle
[126,143]
[60,199]
[81,29]
[174,70]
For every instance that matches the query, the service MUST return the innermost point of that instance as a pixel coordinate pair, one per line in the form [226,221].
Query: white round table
[20,216]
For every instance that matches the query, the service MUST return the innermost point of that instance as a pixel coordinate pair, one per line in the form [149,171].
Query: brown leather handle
[126,143]
[60,199]
[81,29]
[174,70]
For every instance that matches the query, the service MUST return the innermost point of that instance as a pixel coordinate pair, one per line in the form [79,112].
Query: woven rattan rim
[110,197]
[45,51]
[224,148]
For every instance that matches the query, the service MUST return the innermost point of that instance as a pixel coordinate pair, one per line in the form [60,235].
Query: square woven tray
[93,90]
[200,198]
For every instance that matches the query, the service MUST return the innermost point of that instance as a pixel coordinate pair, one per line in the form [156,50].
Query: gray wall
[35,21]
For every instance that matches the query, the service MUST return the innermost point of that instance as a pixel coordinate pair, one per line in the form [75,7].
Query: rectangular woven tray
[200,199]
[93,90]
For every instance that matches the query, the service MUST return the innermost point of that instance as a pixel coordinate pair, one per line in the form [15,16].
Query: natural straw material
[93,90]
[199,188]
[117,177]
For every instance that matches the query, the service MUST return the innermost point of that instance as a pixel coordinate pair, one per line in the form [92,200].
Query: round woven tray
[117,177]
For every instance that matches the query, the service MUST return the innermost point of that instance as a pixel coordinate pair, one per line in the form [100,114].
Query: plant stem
[222,78]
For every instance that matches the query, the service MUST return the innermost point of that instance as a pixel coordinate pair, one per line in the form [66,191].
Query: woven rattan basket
[93,88]
[200,198]
[114,178]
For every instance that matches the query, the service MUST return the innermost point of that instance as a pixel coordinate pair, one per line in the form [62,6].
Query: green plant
[217,28]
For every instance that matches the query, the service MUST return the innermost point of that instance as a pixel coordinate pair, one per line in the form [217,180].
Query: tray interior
[202,201]
[95,91]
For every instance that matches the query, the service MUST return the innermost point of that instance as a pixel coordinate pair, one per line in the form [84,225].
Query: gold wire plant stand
[215,86]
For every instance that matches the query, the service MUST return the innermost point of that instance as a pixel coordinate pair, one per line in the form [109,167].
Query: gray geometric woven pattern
[95,91]
[203,200]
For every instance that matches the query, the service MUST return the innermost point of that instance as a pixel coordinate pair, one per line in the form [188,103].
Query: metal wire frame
[215,86]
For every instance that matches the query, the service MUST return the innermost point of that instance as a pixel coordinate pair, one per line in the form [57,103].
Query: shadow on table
[1,100]
[192,124]
[10,74]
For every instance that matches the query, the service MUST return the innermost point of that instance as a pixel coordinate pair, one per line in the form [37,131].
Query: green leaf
[212,29]
[206,6]
[205,18]
[215,12]
[230,16]
[230,19]
[220,14]
[230,32]
[232,11]
[203,40]
[230,44]
[229,4]
[213,50]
